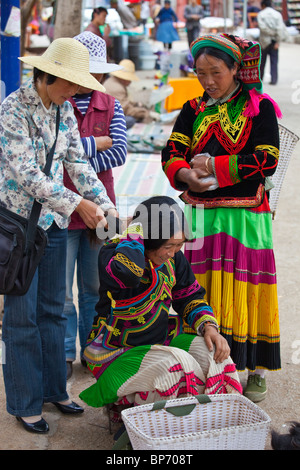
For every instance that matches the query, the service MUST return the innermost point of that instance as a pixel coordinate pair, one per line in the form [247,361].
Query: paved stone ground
[90,430]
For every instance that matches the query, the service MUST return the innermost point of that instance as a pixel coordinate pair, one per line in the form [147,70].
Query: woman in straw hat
[223,147]
[33,324]
[116,85]
[102,127]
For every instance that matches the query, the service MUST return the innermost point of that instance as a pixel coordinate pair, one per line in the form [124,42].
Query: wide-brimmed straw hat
[68,59]
[97,50]
[127,72]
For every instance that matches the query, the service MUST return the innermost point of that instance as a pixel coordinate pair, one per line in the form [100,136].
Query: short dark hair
[37,73]
[98,10]
[266,3]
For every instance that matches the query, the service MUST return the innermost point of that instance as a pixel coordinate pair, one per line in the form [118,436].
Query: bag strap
[180,410]
[123,442]
[37,206]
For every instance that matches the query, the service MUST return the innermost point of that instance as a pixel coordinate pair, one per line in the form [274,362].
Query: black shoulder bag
[22,241]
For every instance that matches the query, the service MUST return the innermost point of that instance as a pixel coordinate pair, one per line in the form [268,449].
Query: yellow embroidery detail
[269,149]
[92,335]
[233,130]
[113,302]
[181,138]
[141,319]
[191,305]
[110,328]
[129,264]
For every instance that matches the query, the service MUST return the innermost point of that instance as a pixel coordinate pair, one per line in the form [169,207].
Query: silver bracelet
[202,327]
[213,165]
[206,165]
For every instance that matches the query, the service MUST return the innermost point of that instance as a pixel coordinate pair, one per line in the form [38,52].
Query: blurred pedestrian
[145,12]
[193,12]
[98,26]
[272,30]
[166,31]
[252,11]
[127,16]
[155,9]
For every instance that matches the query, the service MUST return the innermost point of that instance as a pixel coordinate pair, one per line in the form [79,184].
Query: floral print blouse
[27,133]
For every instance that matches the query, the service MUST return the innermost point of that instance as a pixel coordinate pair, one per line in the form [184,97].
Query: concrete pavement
[90,430]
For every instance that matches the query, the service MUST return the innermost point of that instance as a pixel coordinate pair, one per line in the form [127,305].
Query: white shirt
[271,26]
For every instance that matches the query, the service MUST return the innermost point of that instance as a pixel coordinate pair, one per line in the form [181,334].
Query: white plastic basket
[225,422]
[288,141]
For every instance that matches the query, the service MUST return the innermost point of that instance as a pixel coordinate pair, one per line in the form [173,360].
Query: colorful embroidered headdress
[248,55]
[244,52]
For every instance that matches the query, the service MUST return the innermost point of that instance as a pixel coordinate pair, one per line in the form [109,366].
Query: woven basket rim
[127,413]
[201,434]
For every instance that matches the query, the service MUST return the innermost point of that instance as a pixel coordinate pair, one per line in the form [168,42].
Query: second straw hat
[128,72]
[68,59]
[97,50]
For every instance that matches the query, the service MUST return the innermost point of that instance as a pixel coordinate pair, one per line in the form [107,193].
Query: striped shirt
[114,156]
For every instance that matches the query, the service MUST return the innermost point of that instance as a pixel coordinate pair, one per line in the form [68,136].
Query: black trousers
[273,53]
[193,34]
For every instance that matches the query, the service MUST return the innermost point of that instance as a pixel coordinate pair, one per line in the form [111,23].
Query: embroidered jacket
[136,296]
[27,133]
[246,149]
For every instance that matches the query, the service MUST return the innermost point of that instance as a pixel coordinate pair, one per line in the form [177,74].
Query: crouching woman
[155,337]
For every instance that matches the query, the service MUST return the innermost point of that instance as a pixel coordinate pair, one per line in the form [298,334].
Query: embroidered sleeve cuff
[226,170]
[205,320]
[171,169]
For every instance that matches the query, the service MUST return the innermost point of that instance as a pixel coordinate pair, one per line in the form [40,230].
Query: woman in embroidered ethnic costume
[137,349]
[223,148]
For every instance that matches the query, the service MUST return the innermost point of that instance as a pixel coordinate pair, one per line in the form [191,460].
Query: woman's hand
[91,214]
[202,162]
[113,225]
[103,143]
[113,213]
[194,179]
[213,338]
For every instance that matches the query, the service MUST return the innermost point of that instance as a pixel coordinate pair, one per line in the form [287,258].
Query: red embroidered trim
[226,170]
[252,201]
[260,167]
[223,382]
[230,147]
[222,170]
[128,302]
[194,103]
[173,168]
